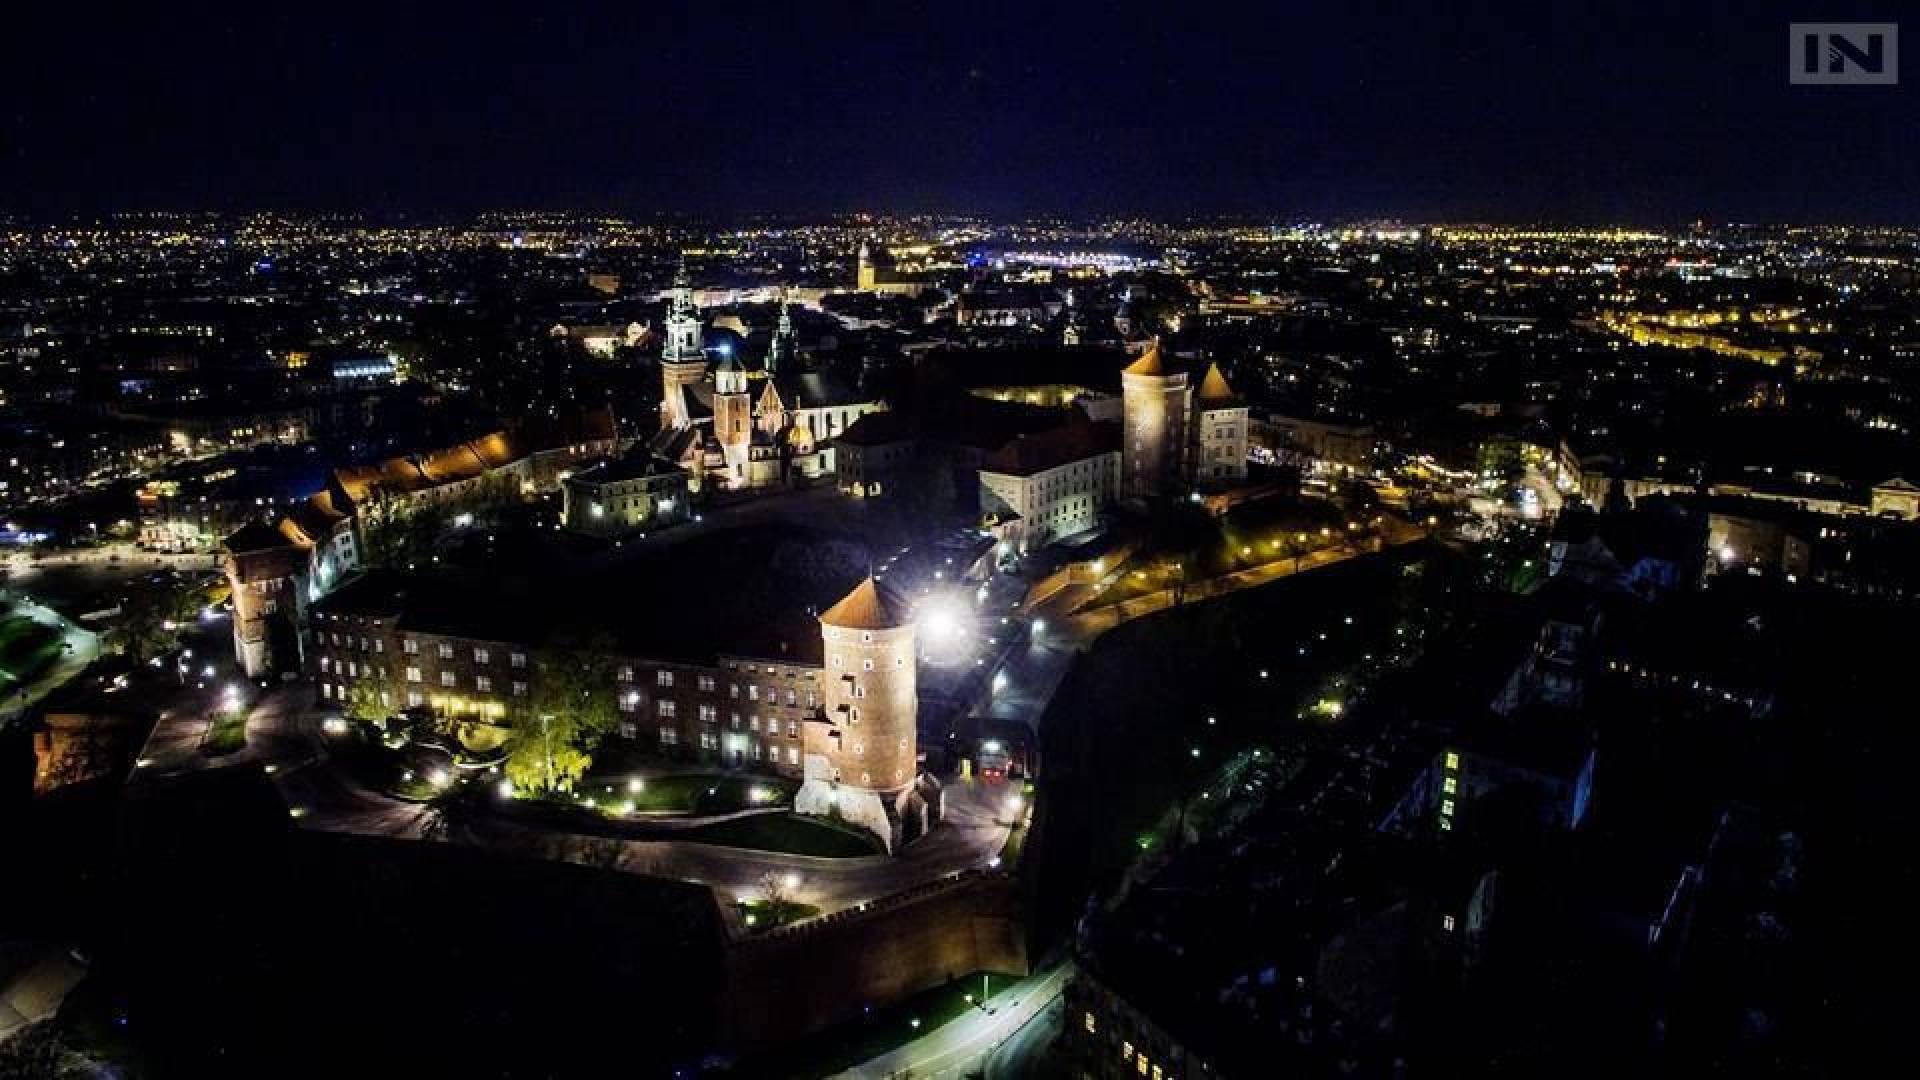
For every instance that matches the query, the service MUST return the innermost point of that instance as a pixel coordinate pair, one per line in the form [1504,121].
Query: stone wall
[792,983]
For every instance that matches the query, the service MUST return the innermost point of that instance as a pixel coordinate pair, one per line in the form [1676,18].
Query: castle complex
[843,720]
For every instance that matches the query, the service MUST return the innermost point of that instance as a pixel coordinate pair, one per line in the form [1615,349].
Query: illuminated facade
[861,754]
[1175,439]
[743,429]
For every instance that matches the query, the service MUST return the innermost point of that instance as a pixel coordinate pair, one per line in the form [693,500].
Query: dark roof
[634,466]
[256,536]
[813,389]
[1075,440]
[1091,366]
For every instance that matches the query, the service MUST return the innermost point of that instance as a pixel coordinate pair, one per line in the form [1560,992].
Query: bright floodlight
[793,881]
[940,618]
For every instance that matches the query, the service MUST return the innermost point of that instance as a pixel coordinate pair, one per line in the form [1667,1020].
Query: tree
[773,890]
[363,700]
[544,756]
[41,1052]
[573,682]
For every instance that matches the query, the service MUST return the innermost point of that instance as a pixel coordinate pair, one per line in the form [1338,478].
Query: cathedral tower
[733,417]
[683,363]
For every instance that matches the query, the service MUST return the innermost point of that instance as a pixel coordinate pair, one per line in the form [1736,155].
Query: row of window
[446,651]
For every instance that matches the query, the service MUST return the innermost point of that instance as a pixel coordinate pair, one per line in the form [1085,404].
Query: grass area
[789,834]
[27,648]
[693,794]
[227,734]
[883,1030]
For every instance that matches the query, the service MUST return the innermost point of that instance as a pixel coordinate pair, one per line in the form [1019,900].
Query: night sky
[1637,112]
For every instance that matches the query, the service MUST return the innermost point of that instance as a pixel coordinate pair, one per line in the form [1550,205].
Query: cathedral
[740,427]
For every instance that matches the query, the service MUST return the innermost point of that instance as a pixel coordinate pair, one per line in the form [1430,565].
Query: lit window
[1453,760]
[481,656]
[1446,923]
[1450,785]
[1087,1021]
[664,678]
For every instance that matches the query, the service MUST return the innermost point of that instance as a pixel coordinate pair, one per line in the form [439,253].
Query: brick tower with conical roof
[862,753]
[1154,400]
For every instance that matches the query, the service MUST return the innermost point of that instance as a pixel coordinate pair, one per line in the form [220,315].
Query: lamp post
[546,738]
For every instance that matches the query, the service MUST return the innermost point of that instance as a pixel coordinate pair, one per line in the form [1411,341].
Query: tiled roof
[865,608]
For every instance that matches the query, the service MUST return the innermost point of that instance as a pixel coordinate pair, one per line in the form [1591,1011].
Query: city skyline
[1627,113]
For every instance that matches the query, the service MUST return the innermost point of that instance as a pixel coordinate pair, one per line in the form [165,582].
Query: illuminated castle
[1176,437]
[861,755]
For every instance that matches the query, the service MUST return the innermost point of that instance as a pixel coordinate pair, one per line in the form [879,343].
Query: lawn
[227,734]
[693,794]
[27,648]
[789,834]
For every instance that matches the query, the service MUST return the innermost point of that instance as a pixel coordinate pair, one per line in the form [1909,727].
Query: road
[1023,1054]
[1091,623]
[79,648]
[967,1046]
[968,837]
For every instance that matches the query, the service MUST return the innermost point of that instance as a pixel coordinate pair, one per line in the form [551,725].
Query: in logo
[1843,54]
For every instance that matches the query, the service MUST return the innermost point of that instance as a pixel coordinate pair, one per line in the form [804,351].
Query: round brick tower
[1153,401]
[862,753]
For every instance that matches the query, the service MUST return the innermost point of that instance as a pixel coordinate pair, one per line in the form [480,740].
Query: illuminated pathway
[1091,623]
[963,1047]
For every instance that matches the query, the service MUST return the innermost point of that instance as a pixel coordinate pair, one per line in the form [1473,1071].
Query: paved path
[1090,624]
[970,836]
[80,647]
[962,1047]
[284,737]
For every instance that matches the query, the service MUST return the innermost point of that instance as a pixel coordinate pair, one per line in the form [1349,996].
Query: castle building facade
[743,429]
[1177,437]
[844,722]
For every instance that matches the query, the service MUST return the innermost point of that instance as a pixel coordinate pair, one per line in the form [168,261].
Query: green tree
[571,711]
[544,755]
[363,700]
[142,631]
